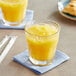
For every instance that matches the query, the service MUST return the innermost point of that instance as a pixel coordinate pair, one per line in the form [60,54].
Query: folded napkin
[22,59]
[29,17]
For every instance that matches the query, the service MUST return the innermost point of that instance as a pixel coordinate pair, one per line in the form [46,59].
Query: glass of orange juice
[42,39]
[13,11]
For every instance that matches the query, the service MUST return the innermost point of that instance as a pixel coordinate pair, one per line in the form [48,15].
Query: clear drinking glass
[13,11]
[42,39]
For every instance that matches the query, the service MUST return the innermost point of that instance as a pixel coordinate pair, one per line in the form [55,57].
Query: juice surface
[13,10]
[41,43]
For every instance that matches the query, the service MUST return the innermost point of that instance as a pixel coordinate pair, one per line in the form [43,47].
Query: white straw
[5,39]
[8,47]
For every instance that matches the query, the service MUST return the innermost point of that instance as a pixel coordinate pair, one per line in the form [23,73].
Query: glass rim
[56,24]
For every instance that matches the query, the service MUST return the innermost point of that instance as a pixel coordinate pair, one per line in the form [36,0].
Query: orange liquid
[42,48]
[13,10]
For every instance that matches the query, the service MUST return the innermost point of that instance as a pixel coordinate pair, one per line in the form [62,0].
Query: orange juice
[13,10]
[42,40]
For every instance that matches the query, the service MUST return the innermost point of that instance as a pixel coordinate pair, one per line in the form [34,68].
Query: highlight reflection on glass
[42,41]
[13,11]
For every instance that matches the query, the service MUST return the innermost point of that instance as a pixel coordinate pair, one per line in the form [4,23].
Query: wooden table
[44,10]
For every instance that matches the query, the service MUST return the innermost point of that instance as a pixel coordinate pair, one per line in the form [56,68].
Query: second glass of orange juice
[42,41]
[13,11]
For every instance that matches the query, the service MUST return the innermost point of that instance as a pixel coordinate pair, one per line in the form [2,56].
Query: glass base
[40,63]
[7,23]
